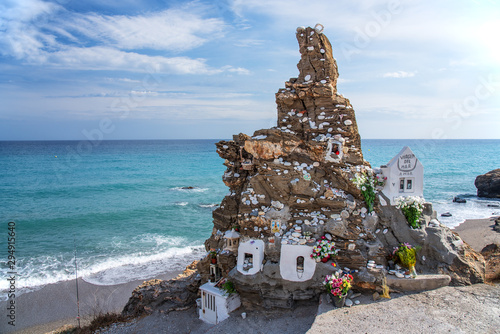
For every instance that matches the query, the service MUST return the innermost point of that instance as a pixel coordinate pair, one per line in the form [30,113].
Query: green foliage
[228,287]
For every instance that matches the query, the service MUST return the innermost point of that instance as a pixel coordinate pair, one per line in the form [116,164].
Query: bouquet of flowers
[338,284]
[324,249]
[367,181]
[412,207]
[406,254]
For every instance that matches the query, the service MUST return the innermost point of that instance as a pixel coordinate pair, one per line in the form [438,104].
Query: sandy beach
[478,232]
[438,310]
[54,305]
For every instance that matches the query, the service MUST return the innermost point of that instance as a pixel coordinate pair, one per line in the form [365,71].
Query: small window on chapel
[409,185]
[401,185]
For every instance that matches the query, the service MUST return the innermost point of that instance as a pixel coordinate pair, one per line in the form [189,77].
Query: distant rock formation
[488,185]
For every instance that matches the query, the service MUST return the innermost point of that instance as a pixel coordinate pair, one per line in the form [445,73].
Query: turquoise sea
[125,208]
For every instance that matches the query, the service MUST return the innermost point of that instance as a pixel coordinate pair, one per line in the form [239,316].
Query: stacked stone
[309,105]
[292,185]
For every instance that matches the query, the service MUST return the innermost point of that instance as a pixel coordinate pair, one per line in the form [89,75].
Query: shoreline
[54,305]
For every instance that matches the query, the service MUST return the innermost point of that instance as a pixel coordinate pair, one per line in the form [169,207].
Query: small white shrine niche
[216,304]
[250,257]
[232,240]
[296,264]
[405,176]
[335,149]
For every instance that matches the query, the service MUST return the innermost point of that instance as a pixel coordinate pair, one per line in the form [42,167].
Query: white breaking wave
[208,205]
[182,203]
[194,189]
[171,256]
[473,209]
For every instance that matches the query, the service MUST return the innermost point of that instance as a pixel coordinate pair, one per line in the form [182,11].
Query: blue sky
[137,69]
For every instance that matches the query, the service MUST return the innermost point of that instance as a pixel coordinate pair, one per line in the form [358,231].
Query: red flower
[323,237]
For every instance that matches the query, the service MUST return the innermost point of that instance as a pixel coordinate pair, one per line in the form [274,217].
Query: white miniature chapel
[250,257]
[216,304]
[405,176]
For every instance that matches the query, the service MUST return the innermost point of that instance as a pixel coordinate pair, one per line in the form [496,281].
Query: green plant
[367,182]
[412,208]
[228,287]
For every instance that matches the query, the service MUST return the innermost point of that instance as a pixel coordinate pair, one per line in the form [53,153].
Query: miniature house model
[250,257]
[232,240]
[216,304]
[296,264]
[405,176]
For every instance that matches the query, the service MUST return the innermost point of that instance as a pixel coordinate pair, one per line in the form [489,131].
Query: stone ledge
[420,283]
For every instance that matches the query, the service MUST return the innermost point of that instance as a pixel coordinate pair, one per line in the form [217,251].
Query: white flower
[363,188]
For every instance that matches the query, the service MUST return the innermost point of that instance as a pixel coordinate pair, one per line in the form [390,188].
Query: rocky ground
[471,309]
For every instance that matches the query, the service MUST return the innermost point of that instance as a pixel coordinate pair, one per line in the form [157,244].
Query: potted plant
[406,255]
[337,285]
[323,250]
[213,257]
[228,287]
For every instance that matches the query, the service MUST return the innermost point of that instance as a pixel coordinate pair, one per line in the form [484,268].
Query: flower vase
[338,301]
[413,272]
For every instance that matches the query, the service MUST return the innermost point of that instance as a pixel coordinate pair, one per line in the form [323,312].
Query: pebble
[348,302]
[377,231]
[399,275]
[355,295]
[385,231]
[356,302]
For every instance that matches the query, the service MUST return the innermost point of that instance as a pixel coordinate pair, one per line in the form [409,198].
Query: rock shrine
[292,185]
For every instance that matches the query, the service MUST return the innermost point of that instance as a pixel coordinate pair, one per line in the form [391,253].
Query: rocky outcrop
[488,185]
[176,294]
[491,254]
[296,179]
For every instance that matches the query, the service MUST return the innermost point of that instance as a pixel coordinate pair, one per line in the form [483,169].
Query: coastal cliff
[296,180]
[297,184]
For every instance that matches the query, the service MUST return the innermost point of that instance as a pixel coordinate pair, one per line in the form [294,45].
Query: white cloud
[41,33]
[172,29]
[399,74]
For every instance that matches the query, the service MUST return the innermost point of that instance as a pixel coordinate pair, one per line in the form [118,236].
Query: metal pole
[77,297]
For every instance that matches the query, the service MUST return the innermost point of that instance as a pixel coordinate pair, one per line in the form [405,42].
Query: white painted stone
[385,231]
[356,302]
[256,249]
[405,176]
[288,263]
[348,122]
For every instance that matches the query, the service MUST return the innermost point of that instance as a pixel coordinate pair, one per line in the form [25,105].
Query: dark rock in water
[488,185]
[457,199]
[493,206]
[446,214]
[188,188]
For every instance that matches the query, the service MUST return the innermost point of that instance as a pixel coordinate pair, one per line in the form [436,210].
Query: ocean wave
[166,254]
[475,208]
[181,203]
[137,266]
[190,189]
[213,205]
